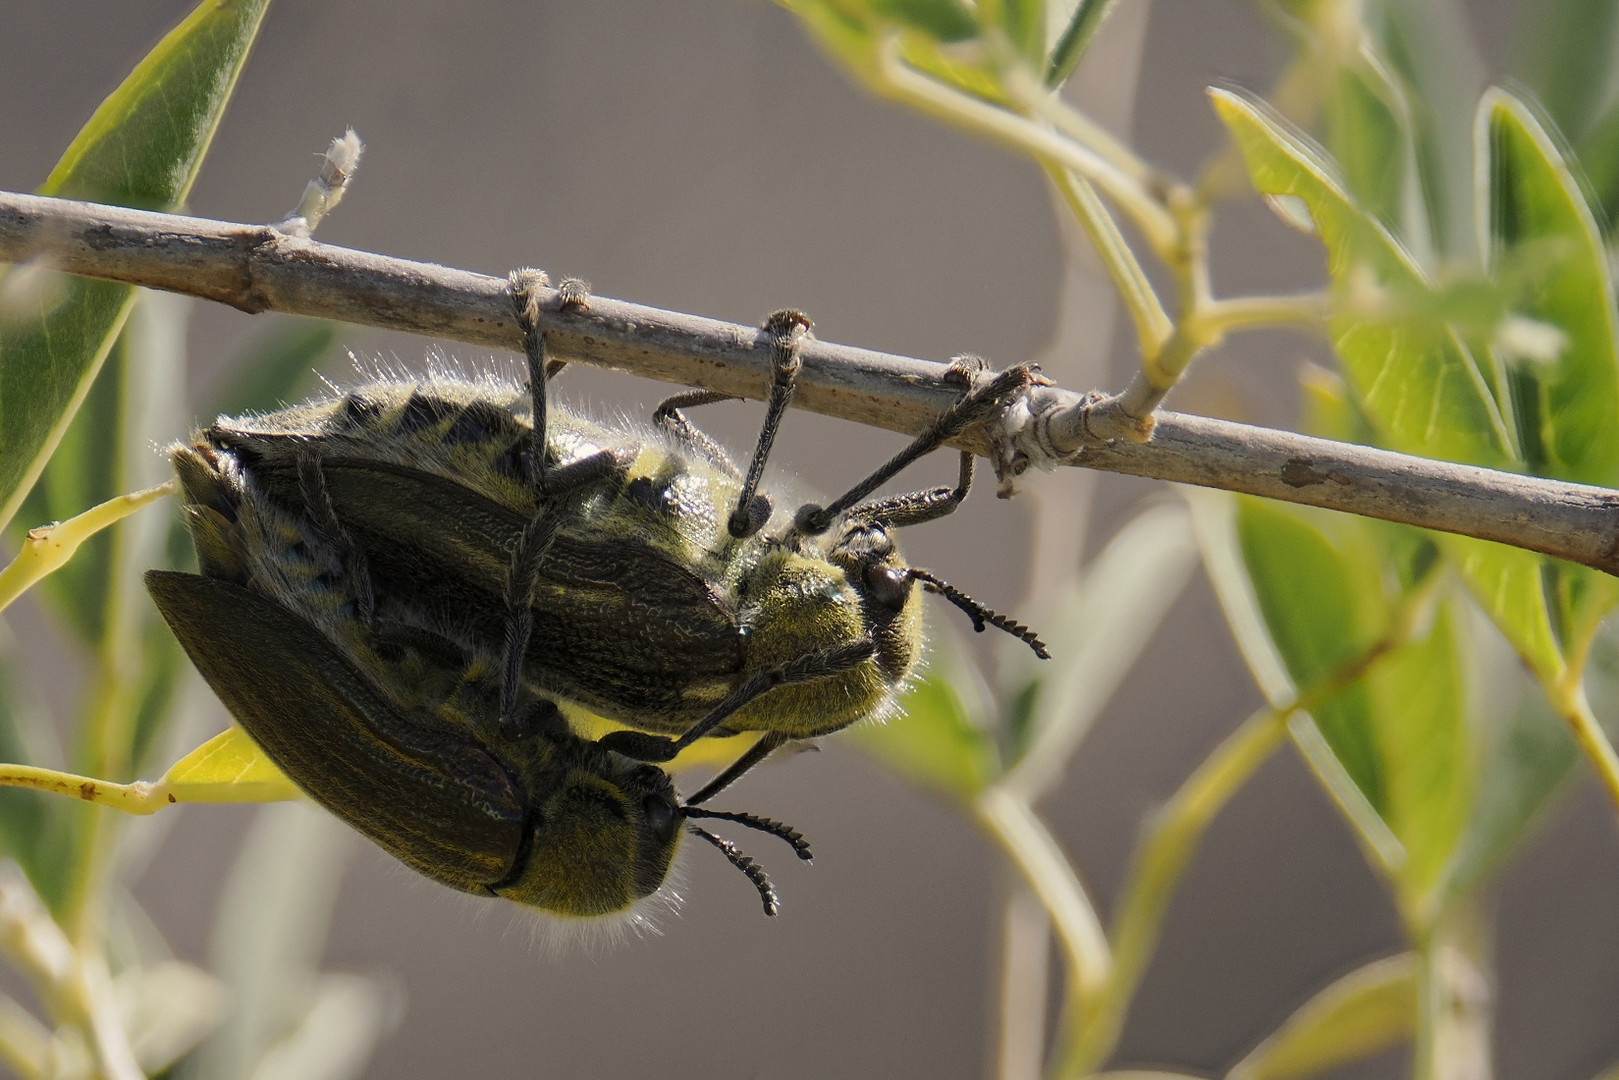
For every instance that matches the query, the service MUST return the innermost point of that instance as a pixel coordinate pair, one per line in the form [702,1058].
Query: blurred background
[701,155]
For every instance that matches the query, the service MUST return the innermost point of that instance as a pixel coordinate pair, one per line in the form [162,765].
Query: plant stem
[1152,323]
[894,78]
[48,547]
[1453,999]
[1569,701]
[75,986]
[1161,862]
[1051,877]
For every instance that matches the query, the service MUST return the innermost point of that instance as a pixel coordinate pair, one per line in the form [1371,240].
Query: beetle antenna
[779,829]
[750,869]
[979,614]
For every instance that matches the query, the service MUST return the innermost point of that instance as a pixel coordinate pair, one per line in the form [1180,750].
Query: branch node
[1045,426]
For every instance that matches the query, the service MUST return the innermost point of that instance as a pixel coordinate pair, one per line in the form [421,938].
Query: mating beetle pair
[399,586]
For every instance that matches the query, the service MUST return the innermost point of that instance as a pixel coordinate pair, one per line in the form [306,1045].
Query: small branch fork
[258,268]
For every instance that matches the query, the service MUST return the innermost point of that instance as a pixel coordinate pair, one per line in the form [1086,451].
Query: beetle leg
[669,417]
[323,516]
[980,399]
[916,507]
[572,294]
[787,330]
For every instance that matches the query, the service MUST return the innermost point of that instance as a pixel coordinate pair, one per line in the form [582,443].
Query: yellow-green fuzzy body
[646,610]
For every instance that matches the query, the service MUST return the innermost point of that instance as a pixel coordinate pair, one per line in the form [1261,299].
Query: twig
[255,268]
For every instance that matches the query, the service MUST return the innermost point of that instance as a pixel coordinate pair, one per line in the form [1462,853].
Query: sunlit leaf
[1537,208]
[227,768]
[141,148]
[1319,614]
[1368,1011]
[1418,384]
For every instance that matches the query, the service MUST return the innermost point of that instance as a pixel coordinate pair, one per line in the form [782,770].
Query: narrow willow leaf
[1420,695]
[1368,1011]
[1400,729]
[141,148]
[1419,387]
[1542,228]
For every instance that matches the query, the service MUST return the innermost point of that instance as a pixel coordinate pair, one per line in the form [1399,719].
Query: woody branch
[259,268]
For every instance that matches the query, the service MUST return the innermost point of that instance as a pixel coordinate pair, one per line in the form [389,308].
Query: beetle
[631,569]
[402,732]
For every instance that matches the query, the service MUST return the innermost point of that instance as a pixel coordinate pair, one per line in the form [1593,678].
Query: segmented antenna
[779,829]
[979,614]
[750,869]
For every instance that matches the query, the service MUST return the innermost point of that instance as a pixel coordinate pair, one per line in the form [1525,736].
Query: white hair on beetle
[555,936]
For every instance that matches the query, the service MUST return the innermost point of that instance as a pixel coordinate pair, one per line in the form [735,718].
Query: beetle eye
[661,818]
[889,586]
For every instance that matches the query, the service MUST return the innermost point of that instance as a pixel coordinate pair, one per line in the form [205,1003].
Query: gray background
[701,155]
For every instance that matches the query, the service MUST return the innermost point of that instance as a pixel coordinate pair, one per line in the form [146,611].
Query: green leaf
[1367,129]
[1368,1011]
[946,21]
[1598,152]
[1087,18]
[141,148]
[1327,590]
[1022,21]
[1417,383]
[1570,48]
[1420,721]
[1539,220]
[1320,617]
[1545,241]
[1509,583]
[1419,387]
